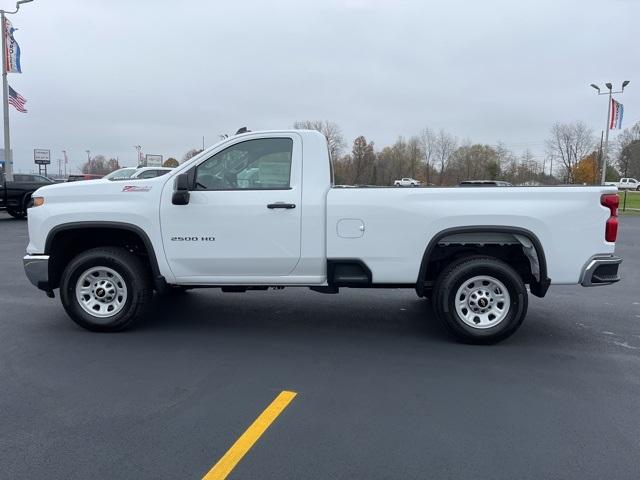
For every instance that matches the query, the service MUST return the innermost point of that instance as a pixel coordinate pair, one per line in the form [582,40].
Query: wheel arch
[538,288]
[109,232]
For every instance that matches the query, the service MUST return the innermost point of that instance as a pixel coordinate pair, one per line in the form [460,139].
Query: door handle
[281,205]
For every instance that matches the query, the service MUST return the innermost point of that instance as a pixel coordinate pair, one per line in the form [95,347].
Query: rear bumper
[37,269]
[601,270]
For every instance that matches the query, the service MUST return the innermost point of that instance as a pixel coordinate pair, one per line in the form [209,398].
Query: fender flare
[158,279]
[539,288]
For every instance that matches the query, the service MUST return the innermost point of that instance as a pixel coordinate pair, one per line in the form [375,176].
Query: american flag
[17,100]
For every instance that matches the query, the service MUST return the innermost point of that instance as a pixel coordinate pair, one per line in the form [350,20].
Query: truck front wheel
[105,289]
[480,299]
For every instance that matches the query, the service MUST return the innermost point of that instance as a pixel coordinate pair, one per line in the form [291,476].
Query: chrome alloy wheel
[482,302]
[101,292]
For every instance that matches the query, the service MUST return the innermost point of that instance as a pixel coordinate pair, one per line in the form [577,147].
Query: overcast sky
[108,75]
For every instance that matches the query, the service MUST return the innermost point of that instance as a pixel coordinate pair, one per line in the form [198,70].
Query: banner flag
[12,53]
[617,111]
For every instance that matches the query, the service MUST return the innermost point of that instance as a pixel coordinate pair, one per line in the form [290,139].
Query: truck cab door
[243,218]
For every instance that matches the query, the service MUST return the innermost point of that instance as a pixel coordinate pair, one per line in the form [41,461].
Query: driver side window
[260,164]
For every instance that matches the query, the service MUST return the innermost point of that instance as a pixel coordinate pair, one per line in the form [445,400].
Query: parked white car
[128,173]
[626,184]
[259,210]
[407,182]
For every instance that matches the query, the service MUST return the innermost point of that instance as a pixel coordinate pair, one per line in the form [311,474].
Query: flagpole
[606,142]
[8,158]
[606,128]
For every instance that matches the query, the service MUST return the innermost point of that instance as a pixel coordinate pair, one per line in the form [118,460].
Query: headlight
[38,201]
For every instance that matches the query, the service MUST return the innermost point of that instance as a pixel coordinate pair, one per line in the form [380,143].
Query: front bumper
[37,269]
[601,270]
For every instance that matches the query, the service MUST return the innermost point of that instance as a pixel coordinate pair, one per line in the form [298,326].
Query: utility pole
[606,129]
[8,158]
[66,160]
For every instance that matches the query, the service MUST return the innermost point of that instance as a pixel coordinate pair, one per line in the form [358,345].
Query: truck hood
[91,188]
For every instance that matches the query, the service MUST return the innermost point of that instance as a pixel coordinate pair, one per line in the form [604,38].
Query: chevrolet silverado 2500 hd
[259,210]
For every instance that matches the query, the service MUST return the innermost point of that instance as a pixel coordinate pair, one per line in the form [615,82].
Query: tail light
[611,201]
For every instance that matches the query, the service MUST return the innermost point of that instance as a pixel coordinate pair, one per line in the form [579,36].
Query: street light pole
[8,158]
[606,129]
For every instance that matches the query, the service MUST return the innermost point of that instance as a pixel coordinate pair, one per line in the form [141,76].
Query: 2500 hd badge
[193,239]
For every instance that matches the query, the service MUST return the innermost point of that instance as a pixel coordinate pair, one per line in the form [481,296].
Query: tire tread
[442,290]
[140,300]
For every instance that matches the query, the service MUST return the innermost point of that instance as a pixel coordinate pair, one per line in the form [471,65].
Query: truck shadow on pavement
[295,311]
[300,313]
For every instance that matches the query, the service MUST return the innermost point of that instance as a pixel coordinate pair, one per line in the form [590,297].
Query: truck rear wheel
[105,289]
[480,299]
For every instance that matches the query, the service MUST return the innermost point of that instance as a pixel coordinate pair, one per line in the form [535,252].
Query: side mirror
[181,193]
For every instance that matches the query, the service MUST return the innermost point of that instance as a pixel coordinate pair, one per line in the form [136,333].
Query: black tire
[137,279]
[451,280]
[16,213]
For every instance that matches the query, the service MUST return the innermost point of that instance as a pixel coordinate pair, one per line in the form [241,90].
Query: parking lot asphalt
[382,391]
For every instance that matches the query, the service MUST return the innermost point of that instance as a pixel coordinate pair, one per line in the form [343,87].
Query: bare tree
[474,162]
[190,154]
[362,161]
[414,156]
[330,130]
[568,144]
[445,145]
[428,144]
[99,165]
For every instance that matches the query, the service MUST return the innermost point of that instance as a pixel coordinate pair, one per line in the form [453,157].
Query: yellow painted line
[251,435]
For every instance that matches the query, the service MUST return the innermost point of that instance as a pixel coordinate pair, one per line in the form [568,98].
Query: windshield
[121,174]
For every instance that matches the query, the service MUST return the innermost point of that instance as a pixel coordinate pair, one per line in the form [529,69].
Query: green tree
[628,151]
[170,162]
[629,160]
[612,174]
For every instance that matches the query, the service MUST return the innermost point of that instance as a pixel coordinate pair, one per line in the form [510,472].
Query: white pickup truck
[626,184]
[406,182]
[259,210]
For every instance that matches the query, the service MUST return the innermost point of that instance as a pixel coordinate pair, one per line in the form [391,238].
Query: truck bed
[373,224]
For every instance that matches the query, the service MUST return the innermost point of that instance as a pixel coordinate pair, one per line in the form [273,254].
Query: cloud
[105,76]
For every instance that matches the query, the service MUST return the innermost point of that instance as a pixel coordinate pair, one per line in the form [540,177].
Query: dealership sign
[41,156]
[153,160]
